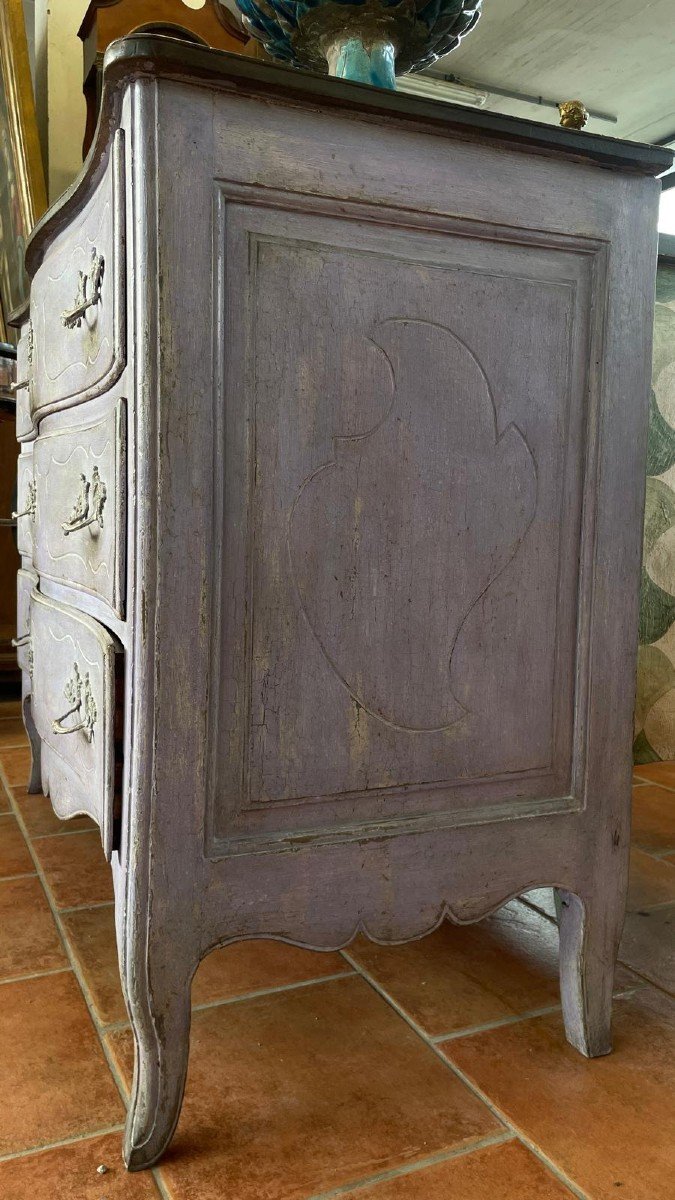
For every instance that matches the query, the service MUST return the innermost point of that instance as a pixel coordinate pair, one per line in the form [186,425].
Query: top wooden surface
[143,55]
[167,57]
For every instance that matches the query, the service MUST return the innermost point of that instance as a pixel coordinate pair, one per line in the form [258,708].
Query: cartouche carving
[31,502]
[78,693]
[396,540]
[89,504]
[88,292]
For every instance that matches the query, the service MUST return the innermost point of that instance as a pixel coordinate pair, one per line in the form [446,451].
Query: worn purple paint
[386,375]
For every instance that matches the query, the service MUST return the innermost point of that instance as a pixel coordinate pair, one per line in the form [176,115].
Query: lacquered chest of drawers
[332,420]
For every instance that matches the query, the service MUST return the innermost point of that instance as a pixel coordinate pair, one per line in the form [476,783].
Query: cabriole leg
[590,930]
[160,1018]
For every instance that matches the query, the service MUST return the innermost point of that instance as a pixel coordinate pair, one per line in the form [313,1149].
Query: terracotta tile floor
[432,1071]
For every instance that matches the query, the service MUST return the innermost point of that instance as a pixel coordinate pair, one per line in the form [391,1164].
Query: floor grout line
[73,908]
[547,1011]
[498,1023]
[645,981]
[420,1164]
[41,837]
[12,878]
[273,991]
[496,1112]
[35,975]
[534,1149]
[114,1027]
[640,781]
[466,1031]
[118,1026]
[71,1141]
[160,1184]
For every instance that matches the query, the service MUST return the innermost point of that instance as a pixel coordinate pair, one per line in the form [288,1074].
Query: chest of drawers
[332,432]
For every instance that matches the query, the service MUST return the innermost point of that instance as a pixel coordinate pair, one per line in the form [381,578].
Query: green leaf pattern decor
[655,700]
[367,41]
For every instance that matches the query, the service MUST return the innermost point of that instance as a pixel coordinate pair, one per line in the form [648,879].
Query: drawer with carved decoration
[77,709]
[26,505]
[78,301]
[80,487]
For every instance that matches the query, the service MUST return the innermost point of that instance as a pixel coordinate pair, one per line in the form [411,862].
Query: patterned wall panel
[655,701]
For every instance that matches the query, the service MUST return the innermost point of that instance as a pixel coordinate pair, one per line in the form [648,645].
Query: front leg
[157,991]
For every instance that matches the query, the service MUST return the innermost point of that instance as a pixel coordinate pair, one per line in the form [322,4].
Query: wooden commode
[332,414]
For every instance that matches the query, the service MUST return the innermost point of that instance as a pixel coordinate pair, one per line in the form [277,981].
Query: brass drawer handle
[89,505]
[31,503]
[88,292]
[79,695]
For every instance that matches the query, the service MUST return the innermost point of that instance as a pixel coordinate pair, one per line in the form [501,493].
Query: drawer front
[74,708]
[80,482]
[78,301]
[26,504]
[25,425]
[26,581]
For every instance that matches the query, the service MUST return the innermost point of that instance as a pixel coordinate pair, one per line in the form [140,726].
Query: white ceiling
[618,56]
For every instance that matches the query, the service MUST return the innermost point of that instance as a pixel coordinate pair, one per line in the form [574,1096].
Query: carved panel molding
[384,580]
[410,532]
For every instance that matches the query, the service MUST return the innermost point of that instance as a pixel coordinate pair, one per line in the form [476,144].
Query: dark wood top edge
[166,57]
[150,56]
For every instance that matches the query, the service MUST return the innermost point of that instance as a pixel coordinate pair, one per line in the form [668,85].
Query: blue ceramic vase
[369,42]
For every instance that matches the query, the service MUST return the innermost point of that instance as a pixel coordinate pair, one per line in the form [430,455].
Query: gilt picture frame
[23,196]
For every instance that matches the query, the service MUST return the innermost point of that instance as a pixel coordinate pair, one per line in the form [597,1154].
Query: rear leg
[590,930]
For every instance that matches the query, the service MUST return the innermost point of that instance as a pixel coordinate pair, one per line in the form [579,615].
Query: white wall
[58,87]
